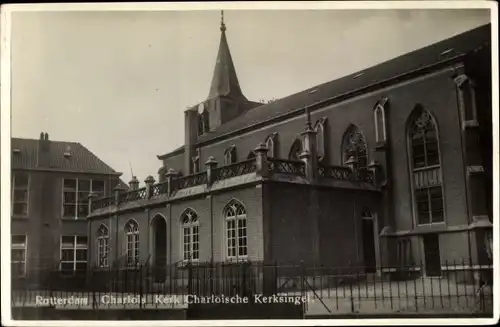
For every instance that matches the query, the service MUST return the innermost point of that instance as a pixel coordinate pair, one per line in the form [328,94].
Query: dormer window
[230,155]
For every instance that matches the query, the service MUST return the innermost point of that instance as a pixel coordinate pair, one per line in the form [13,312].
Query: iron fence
[461,287]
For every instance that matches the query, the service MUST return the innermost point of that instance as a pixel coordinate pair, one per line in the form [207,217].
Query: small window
[320,138]
[236,231]
[195,165]
[295,150]
[20,194]
[102,246]
[354,145]
[18,255]
[73,253]
[190,235]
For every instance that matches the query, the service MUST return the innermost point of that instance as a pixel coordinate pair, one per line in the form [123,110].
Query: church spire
[224,81]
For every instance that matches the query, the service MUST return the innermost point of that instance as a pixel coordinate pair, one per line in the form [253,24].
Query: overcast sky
[118,82]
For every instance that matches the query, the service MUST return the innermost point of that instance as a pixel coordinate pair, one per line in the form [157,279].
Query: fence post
[211,164]
[262,168]
[149,181]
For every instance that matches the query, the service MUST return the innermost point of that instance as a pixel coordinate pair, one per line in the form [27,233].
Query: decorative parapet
[346,173]
[284,166]
[233,170]
[216,178]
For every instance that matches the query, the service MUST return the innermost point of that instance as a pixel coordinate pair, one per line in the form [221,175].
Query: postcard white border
[5,129]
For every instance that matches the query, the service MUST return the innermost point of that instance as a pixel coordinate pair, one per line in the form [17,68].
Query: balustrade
[189,181]
[233,170]
[284,166]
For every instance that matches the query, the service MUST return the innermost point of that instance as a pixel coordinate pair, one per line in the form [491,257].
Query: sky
[118,82]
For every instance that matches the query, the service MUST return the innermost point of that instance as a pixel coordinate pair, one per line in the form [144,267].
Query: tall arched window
[236,230]
[271,145]
[319,128]
[379,115]
[190,235]
[132,238]
[295,150]
[426,167]
[230,155]
[354,145]
[102,246]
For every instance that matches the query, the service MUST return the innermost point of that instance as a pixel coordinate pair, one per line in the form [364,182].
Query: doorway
[159,247]
[368,233]
[432,255]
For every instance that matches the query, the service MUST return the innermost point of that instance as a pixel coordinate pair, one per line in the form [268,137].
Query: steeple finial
[222,25]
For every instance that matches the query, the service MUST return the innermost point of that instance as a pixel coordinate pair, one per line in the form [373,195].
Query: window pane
[81,240]
[20,196]
[98,186]
[84,185]
[20,209]
[17,255]
[81,255]
[422,202]
[432,153]
[83,197]
[17,269]
[83,210]
[69,197]
[19,239]
[70,184]
[21,180]
[69,210]
[68,241]
[67,255]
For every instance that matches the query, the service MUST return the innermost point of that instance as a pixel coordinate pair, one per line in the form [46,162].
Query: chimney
[134,183]
[43,150]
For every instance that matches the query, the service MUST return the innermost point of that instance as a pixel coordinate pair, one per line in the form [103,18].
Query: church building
[388,166]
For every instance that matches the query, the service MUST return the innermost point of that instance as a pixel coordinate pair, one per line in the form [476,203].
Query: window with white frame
[73,253]
[20,194]
[426,167]
[18,255]
[190,235]
[236,231]
[132,246]
[354,145]
[379,116]
[230,155]
[102,246]
[76,196]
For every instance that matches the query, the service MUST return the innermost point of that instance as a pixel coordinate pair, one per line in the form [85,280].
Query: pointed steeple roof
[224,81]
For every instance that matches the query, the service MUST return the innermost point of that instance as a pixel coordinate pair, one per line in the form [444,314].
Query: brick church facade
[388,166]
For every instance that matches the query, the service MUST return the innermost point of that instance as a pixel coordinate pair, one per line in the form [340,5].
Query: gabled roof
[435,54]
[81,159]
[427,56]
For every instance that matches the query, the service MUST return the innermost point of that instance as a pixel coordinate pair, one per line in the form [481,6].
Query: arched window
[230,155]
[379,115]
[354,145]
[132,238]
[195,165]
[190,235]
[319,128]
[295,150]
[102,246]
[426,167]
[271,145]
[206,121]
[236,230]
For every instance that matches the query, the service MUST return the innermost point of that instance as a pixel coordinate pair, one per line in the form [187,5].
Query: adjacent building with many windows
[391,165]
[51,182]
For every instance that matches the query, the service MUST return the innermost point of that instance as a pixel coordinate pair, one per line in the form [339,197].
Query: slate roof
[81,159]
[434,54]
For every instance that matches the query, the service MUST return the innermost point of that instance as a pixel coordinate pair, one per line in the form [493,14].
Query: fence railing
[189,181]
[345,173]
[103,202]
[461,287]
[285,166]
